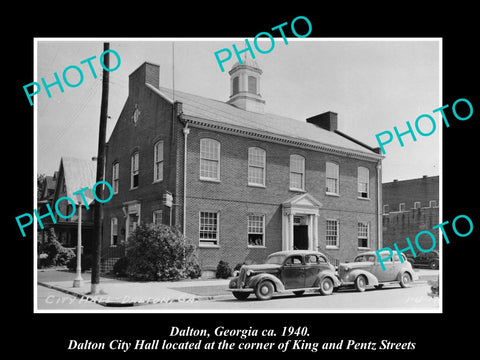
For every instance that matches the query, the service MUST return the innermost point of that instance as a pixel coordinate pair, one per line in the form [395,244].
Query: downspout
[186,131]
[379,206]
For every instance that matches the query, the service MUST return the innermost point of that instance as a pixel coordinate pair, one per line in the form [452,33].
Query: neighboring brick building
[410,206]
[244,183]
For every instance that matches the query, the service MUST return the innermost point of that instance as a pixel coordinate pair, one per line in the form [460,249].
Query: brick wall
[398,226]
[409,191]
[154,124]
[234,199]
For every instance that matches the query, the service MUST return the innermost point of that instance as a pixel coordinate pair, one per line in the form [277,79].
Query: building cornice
[277,138]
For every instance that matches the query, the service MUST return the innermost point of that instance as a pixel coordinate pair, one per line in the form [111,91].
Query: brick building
[245,183]
[410,206]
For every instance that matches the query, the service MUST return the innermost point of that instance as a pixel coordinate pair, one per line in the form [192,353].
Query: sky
[372,84]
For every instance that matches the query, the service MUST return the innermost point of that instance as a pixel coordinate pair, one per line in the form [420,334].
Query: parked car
[366,270]
[295,270]
[429,259]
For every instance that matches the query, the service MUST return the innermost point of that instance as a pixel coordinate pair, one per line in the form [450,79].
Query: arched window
[256,166]
[363,180]
[332,178]
[235,85]
[115,176]
[297,172]
[134,171]
[209,159]
[158,161]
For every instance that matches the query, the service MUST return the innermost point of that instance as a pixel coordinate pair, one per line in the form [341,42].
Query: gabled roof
[224,115]
[78,174]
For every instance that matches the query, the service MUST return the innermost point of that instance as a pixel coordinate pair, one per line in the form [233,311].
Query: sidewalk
[118,293]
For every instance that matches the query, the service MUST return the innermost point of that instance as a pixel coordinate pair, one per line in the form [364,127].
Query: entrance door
[300,237]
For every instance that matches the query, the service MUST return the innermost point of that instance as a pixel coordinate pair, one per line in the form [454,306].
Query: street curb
[92,298]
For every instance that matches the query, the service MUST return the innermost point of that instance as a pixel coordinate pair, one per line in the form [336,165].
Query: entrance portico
[300,222]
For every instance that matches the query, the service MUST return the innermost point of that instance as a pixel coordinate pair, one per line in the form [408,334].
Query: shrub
[120,267]
[223,270]
[64,255]
[56,254]
[158,252]
[86,263]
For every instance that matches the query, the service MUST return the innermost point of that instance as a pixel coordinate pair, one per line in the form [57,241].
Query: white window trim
[303,174]
[337,178]
[387,207]
[115,164]
[111,231]
[153,216]
[337,246]
[264,168]
[368,183]
[155,175]
[263,232]
[400,207]
[131,169]
[204,178]
[206,245]
[368,235]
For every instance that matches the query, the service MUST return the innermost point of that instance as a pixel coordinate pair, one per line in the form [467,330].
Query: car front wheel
[361,283]
[264,290]
[326,286]
[240,295]
[405,280]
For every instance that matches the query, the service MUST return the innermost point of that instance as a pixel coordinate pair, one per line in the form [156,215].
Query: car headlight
[347,268]
[249,272]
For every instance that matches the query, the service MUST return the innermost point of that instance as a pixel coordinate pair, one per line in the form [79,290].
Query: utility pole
[98,207]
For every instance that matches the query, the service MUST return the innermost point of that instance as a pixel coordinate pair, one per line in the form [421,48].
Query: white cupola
[245,86]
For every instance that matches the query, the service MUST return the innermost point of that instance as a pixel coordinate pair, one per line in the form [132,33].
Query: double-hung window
[297,172]
[256,166]
[114,231]
[209,159]
[256,230]
[115,178]
[363,180]
[208,232]
[158,161]
[134,171]
[363,234]
[332,174]
[331,234]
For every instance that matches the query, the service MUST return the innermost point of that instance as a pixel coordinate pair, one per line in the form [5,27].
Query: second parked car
[366,270]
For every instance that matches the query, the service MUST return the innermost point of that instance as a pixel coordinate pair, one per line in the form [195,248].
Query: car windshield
[275,259]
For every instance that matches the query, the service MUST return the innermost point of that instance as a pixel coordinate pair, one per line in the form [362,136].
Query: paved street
[389,298]
[211,295]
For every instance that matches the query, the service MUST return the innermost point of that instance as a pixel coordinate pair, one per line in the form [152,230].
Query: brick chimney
[147,73]
[326,120]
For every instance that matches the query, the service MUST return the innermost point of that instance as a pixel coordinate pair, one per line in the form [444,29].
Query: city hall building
[243,183]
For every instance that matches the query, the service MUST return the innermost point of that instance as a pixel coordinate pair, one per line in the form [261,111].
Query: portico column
[315,232]
[290,231]
[310,232]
